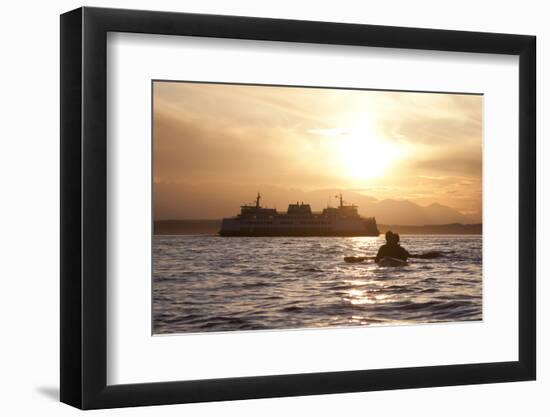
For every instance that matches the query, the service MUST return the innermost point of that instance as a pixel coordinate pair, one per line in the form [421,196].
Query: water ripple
[208,283]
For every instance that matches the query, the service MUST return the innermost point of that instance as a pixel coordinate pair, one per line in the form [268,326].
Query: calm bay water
[208,283]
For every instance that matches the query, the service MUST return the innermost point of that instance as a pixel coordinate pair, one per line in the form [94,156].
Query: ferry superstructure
[299,220]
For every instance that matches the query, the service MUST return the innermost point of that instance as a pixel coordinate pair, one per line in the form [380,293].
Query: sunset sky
[216,145]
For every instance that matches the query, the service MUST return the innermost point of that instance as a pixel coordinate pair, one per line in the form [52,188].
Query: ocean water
[207,283]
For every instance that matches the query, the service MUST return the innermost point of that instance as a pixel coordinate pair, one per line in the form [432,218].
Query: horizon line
[379,224]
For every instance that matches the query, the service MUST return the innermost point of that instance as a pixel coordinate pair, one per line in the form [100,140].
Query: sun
[363,155]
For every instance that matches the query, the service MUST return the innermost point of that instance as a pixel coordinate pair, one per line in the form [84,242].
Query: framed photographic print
[258,207]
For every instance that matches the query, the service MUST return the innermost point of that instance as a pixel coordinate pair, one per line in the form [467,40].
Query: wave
[208,283]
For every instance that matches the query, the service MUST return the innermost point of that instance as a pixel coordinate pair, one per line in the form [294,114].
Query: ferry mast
[339,196]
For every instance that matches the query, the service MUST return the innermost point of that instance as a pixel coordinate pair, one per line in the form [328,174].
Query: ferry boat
[299,220]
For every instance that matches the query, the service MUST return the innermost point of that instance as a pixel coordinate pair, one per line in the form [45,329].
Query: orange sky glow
[216,145]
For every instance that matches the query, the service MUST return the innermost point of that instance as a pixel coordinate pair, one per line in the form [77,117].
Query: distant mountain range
[172,201]
[405,212]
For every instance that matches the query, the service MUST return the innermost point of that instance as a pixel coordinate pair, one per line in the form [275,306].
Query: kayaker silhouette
[392,253]
[392,248]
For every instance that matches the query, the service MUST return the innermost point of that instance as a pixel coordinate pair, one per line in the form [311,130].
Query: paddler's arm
[379,255]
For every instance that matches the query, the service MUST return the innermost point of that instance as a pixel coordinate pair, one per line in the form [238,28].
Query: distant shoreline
[210,227]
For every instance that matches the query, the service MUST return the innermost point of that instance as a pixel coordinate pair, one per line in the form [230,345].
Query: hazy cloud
[249,138]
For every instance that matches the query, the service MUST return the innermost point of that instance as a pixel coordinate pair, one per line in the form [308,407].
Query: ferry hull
[297,233]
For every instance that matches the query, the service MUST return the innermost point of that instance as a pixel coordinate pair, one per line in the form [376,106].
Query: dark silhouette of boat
[299,220]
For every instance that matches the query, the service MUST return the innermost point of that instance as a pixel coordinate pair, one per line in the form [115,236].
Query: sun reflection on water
[360,297]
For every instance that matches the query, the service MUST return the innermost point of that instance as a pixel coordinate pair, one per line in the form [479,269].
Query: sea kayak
[387,261]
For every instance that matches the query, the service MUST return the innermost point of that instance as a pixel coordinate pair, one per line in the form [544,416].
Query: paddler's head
[389,236]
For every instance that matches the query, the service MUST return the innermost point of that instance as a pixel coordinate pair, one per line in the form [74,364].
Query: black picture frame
[84,207]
